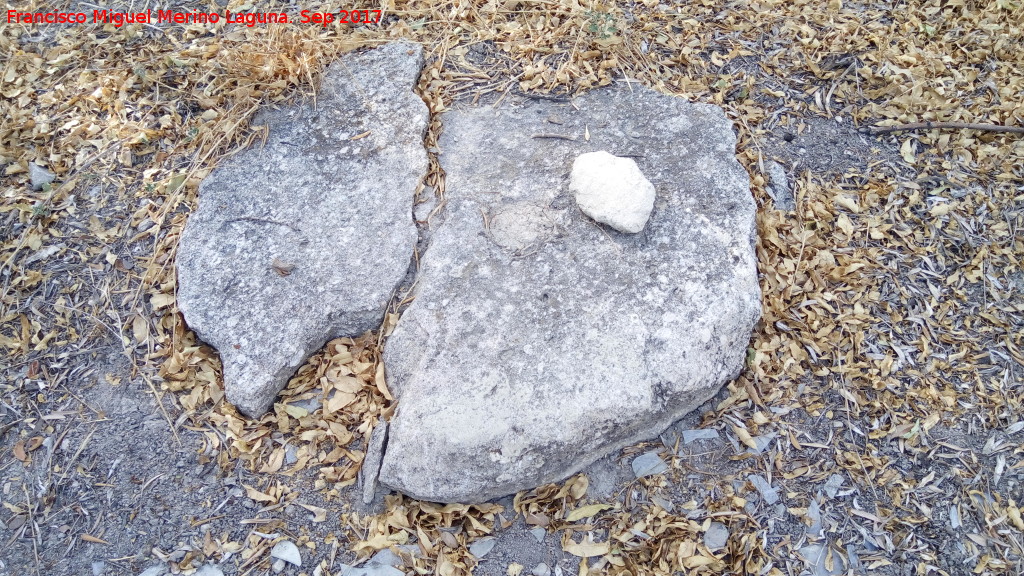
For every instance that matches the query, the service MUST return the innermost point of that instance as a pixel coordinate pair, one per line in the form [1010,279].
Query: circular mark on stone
[522,227]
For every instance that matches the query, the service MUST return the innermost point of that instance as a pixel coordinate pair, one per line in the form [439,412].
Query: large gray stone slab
[305,238]
[540,340]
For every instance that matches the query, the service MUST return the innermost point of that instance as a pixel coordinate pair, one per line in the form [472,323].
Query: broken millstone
[306,238]
[539,341]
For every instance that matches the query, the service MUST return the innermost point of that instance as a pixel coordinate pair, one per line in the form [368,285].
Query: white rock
[288,552]
[541,570]
[612,191]
[158,570]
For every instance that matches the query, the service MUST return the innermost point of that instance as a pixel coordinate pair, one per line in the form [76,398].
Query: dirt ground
[878,427]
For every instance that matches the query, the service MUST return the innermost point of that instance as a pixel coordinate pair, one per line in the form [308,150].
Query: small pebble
[716,537]
[538,533]
[288,552]
[278,566]
[648,464]
[541,570]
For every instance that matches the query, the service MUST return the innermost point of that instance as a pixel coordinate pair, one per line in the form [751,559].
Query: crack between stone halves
[432,181]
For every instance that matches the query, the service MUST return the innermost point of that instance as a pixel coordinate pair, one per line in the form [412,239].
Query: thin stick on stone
[876,130]
[557,136]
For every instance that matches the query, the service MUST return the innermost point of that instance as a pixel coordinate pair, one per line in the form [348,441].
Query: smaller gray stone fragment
[778,187]
[371,463]
[39,176]
[288,552]
[209,570]
[649,464]
[158,570]
[833,484]
[815,556]
[769,494]
[716,537]
[98,567]
[481,547]
[538,533]
[690,436]
[541,570]
[278,566]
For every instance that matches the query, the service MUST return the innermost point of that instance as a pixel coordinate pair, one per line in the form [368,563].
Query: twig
[538,96]
[875,130]
[556,136]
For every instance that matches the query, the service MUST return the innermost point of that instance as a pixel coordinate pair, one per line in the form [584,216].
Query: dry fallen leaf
[586,548]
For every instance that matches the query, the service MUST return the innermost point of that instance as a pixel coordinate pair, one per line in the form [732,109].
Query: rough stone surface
[612,190]
[305,238]
[538,340]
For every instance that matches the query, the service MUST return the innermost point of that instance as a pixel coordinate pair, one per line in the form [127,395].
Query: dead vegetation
[891,349]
